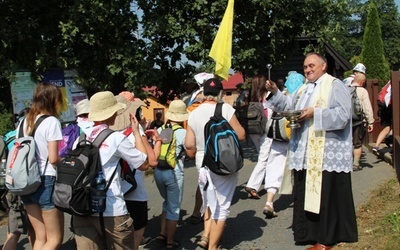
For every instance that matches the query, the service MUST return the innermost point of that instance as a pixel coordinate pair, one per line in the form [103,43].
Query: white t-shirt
[140,193]
[116,146]
[197,121]
[48,130]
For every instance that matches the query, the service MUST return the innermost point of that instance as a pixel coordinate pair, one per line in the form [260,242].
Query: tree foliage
[92,36]
[123,44]
[373,53]
[390,26]
[262,33]
[345,33]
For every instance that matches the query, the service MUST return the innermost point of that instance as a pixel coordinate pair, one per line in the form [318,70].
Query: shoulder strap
[218,109]
[21,129]
[37,123]
[102,136]
[82,137]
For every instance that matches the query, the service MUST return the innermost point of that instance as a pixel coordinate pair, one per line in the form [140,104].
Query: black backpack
[223,153]
[254,118]
[75,173]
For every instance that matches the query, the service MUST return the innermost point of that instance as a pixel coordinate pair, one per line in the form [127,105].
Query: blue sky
[398,4]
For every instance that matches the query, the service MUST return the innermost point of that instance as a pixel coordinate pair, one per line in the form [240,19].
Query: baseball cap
[212,87]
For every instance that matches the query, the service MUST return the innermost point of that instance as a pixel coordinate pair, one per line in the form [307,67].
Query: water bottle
[3,174]
[98,191]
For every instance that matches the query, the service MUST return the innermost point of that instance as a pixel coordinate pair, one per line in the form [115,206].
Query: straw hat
[82,107]
[123,120]
[103,105]
[177,111]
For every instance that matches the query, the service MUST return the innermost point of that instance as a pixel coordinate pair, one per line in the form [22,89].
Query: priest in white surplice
[320,153]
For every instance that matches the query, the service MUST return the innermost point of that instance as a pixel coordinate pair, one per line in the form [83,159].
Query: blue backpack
[223,154]
[70,133]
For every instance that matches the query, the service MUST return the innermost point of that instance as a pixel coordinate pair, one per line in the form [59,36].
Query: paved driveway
[247,227]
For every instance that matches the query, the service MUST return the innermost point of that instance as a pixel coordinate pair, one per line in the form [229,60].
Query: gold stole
[315,150]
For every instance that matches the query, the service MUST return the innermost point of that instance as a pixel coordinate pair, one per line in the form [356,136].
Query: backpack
[2,147]
[278,129]
[223,154]
[168,158]
[9,139]
[356,108]
[75,173]
[70,133]
[23,171]
[254,119]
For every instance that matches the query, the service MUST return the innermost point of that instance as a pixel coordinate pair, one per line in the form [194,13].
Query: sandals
[146,240]
[161,238]
[253,193]
[269,212]
[172,245]
[203,243]
[196,219]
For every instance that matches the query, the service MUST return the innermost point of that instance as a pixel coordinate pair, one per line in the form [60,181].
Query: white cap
[360,68]
[202,77]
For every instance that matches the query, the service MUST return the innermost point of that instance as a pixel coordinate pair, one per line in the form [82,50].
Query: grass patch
[378,219]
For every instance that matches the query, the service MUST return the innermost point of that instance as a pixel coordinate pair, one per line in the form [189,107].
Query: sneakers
[375,150]
[356,167]
[269,212]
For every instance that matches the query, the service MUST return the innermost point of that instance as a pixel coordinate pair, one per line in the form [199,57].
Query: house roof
[339,59]
[232,81]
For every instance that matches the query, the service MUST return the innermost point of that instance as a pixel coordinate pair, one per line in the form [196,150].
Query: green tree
[373,53]
[344,32]
[92,36]
[390,26]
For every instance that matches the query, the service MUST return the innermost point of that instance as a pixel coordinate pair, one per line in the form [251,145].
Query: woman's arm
[52,147]
[152,153]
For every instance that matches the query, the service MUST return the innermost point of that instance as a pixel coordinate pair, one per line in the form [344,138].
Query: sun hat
[293,81]
[123,119]
[177,111]
[212,87]
[128,95]
[103,105]
[82,107]
[360,68]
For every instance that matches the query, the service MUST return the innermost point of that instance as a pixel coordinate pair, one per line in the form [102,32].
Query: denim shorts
[170,186]
[43,195]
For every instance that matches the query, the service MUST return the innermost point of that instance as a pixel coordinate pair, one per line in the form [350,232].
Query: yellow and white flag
[221,50]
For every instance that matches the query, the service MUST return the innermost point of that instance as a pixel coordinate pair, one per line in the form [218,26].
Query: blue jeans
[43,195]
[170,185]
